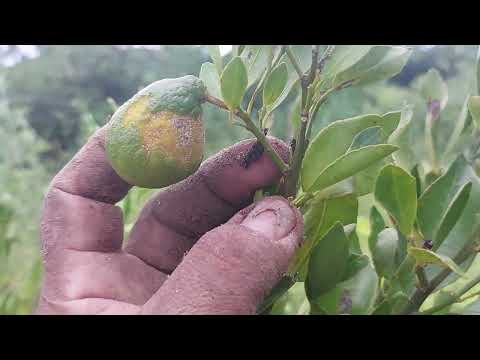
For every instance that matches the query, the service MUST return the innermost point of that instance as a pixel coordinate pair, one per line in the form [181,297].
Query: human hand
[179,258]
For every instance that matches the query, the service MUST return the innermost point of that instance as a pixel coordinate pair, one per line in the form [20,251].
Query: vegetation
[388,184]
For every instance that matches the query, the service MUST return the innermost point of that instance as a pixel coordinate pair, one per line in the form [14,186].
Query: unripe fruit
[157,137]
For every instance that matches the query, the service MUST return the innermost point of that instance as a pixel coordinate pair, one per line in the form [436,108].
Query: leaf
[384,252]
[349,164]
[434,89]
[342,58]
[234,82]
[377,224]
[285,93]
[478,71]
[351,232]
[452,214]
[328,262]
[276,293]
[418,180]
[464,118]
[360,291]
[275,83]
[370,136]
[424,257]
[396,191]
[211,79]
[321,215]
[380,63]
[439,197]
[326,304]
[474,108]
[292,301]
[334,141]
[214,52]
[256,58]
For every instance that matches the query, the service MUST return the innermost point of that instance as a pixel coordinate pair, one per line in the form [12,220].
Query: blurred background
[53,97]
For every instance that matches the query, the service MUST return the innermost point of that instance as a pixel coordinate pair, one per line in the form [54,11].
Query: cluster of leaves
[423,216]
[420,253]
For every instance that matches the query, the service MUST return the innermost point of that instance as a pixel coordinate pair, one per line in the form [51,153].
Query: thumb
[233,267]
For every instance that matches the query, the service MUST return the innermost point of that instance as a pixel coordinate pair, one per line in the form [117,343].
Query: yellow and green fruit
[157,137]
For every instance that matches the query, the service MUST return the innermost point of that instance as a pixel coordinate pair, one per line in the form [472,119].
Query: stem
[301,139]
[421,295]
[454,298]
[262,139]
[325,56]
[422,277]
[313,67]
[321,100]
[430,144]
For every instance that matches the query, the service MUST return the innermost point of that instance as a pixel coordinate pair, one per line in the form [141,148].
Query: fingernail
[272,217]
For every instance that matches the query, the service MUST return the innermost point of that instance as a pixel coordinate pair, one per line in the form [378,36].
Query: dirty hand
[193,250]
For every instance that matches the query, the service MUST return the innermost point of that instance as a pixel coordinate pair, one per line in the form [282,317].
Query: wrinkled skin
[198,247]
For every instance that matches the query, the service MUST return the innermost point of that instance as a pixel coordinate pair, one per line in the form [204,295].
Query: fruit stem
[262,139]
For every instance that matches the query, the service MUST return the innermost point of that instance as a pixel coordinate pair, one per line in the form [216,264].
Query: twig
[421,295]
[454,298]
[253,129]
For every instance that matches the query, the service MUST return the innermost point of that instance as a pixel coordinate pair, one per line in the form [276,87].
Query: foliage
[389,182]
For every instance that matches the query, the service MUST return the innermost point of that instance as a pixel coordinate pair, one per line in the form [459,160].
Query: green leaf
[474,108]
[351,232]
[275,83]
[424,257]
[328,262]
[276,293]
[461,123]
[214,52]
[293,302]
[342,58]
[256,59]
[396,191]
[334,141]
[326,304]
[211,79]
[384,253]
[233,83]
[452,215]
[418,180]
[433,88]
[370,136]
[406,157]
[377,224]
[478,71]
[380,63]
[360,291]
[319,218]
[439,197]
[350,164]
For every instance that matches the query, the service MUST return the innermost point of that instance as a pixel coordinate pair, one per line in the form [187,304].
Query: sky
[30,51]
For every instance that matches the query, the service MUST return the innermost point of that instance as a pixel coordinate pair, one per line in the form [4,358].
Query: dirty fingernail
[272,217]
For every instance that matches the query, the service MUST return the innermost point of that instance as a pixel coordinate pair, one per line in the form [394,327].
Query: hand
[162,268]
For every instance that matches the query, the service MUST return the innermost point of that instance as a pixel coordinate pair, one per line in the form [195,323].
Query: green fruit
[157,137]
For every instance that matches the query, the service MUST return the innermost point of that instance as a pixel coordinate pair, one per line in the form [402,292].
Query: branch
[421,295]
[262,139]
[454,298]
[301,139]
